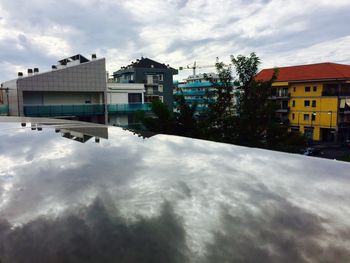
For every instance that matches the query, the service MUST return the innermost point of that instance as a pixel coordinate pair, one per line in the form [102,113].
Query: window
[306,103]
[306,117]
[161,98]
[134,98]
[160,88]
[314,104]
[307,89]
[295,128]
[313,116]
[294,89]
[160,77]
[293,103]
[293,116]
[314,88]
[149,79]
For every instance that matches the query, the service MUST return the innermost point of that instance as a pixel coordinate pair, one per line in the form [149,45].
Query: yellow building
[315,99]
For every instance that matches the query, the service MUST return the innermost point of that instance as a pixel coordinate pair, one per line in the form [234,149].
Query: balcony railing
[132,107]
[335,93]
[64,110]
[4,109]
[283,110]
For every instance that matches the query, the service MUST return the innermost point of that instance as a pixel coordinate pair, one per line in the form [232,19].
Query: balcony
[63,110]
[283,110]
[193,93]
[124,108]
[4,109]
[334,93]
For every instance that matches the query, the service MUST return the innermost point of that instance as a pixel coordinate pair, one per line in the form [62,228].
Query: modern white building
[124,99]
[74,88]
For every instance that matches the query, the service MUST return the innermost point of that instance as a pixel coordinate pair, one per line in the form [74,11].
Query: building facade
[195,90]
[157,79]
[314,99]
[74,88]
[124,100]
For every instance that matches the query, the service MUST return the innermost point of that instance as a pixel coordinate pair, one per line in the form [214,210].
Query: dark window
[314,104]
[307,89]
[285,104]
[315,88]
[293,116]
[306,117]
[135,98]
[313,117]
[294,89]
[293,103]
[306,103]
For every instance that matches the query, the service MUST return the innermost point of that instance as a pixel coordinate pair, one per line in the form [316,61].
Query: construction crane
[194,67]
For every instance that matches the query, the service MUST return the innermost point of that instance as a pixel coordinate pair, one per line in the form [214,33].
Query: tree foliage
[239,110]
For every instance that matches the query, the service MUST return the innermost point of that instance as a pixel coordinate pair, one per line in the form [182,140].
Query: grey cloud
[283,233]
[97,233]
[99,24]
[43,180]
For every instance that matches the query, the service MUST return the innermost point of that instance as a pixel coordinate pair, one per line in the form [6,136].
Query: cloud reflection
[190,200]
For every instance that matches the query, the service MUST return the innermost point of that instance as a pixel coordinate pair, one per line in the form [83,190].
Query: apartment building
[314,98]
[156,77]
[195,90]
[74,88]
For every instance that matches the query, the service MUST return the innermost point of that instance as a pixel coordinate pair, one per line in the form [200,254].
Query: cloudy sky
[37,33]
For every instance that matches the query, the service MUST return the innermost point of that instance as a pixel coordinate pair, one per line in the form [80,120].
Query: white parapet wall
[117,93]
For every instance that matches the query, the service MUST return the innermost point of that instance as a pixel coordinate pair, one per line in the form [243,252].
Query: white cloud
[175,32]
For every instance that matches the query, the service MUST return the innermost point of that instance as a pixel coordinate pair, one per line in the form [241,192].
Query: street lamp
[313,115]
[330,121]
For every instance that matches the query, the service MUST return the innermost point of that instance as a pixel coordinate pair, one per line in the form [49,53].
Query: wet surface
[165,199]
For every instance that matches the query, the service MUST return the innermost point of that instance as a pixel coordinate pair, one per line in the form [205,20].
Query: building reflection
[80,132]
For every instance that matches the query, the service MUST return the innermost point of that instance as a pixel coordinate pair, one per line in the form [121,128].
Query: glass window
[313,116]
[135,98]
[315,88]
[314,104]
[160,88]
[294,89]
[161,77]
[293,103]
[307,89]
[306,117]
[306,103]
[293,116]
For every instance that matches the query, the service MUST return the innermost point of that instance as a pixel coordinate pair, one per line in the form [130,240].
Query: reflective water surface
[113,196]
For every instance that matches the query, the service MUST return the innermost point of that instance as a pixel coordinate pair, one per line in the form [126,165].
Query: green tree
[181,122]
[215,122]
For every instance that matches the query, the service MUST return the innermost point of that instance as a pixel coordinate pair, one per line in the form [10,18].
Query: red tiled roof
[307,72]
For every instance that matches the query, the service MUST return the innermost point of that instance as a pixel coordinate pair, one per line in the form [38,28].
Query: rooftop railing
[63,110]
[4,109]
[79,109]
[131,107]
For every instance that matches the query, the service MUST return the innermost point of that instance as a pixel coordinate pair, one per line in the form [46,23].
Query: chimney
[30,72]
[53,67]
[20,74]
[93,56]
[36,71]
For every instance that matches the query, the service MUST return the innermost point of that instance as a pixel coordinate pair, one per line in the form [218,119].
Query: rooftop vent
[20,74]
[36,70]
[30,72]
[93,56]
